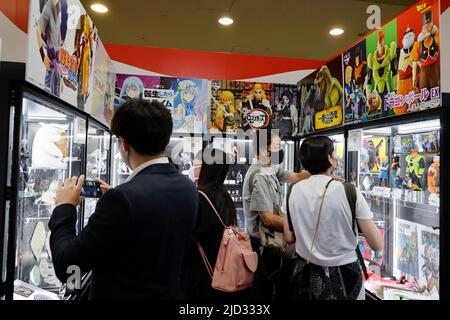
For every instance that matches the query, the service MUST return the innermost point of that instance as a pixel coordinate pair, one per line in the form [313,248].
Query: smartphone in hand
[91,189]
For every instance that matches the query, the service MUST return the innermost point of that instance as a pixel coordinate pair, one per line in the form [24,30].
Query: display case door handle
[435,227]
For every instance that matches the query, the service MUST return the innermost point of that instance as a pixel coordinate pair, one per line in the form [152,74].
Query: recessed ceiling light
[100,8]
[336,31]
[226,21]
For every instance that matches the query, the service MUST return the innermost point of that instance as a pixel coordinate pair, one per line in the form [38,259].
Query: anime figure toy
[331,91]
[374,152]
[405,68]
[50,147]
[433,176]
[384,172]
[426,53]
[415,169]
[383,68]
[395,173]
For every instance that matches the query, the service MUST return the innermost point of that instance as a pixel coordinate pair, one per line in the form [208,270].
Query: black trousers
[273,275]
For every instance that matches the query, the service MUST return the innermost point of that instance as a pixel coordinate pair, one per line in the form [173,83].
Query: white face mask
[125,156]
[192,175]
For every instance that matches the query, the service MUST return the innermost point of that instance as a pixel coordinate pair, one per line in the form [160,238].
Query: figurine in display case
[396,179]
[433,176]
[384,172]
[415,169]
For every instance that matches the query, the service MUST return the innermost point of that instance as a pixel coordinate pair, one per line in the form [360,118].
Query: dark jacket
[135,241]
[208,232]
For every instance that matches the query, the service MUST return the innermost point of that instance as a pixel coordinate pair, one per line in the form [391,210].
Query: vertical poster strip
[355,72]
[61,47]
[285,114]
[382,73]
[329,111]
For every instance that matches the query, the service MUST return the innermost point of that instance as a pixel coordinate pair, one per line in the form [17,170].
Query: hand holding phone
[91,189]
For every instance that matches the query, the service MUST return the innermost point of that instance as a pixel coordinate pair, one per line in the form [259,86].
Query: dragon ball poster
[62,45]
[355,72]
[322,106]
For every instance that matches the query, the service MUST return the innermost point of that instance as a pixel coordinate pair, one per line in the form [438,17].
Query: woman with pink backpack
[219,262]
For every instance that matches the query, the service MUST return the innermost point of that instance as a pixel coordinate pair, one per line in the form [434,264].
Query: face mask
[192,175]
[277,157]
[125,156]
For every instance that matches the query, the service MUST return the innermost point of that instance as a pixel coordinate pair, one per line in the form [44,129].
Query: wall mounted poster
[355,72]
[100,103]
[403,73]
[62,44]
[187,99]
[237,105]
[321,108]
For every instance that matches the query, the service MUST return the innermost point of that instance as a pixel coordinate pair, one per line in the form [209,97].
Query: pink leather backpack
[236,261]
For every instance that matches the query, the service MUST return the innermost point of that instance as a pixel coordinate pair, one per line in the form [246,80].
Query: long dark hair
[213,175]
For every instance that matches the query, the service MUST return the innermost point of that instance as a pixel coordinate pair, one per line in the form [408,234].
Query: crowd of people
[143,240]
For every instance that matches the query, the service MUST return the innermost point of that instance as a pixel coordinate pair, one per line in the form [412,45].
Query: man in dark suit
[135,241]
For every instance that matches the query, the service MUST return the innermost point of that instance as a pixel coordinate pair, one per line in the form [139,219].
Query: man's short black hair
[314,154]
[146,126]
[262,140]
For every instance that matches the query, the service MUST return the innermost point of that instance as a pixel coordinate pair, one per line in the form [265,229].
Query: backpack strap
[291,226]
[350,193]
[212,206]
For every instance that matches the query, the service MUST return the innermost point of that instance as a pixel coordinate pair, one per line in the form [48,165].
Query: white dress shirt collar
[162,160]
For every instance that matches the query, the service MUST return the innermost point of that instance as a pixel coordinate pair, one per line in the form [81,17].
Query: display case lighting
[416,127]
[379,131]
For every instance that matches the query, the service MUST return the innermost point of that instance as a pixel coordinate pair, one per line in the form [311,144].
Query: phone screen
[91,189]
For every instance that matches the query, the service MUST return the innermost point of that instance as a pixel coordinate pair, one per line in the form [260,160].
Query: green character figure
[415,169]
[383,67]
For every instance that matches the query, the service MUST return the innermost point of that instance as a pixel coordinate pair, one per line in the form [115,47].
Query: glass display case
[52,146]
[397,168]
[97,162]
[119,170]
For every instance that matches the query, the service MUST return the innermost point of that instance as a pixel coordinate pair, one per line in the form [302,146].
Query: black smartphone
[91,189]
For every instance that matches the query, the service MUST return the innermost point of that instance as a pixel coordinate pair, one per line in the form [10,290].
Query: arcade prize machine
[47,144]
[397,169]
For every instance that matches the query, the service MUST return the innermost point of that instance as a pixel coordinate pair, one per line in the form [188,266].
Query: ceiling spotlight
[226,21]
[97,7]
[336,31]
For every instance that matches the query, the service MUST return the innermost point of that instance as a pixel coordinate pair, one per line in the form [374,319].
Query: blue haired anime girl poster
[191,100]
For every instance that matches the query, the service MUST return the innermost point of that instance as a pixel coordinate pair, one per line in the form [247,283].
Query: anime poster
[373,153]
[382,70]
[322,107]
[239,105]
[355,71]
[62,45]
[403,144]
[306,101]
[187,99]
[285,114]
[418,41]
[101,102]
[407,250]
[428,142]
[429,259]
